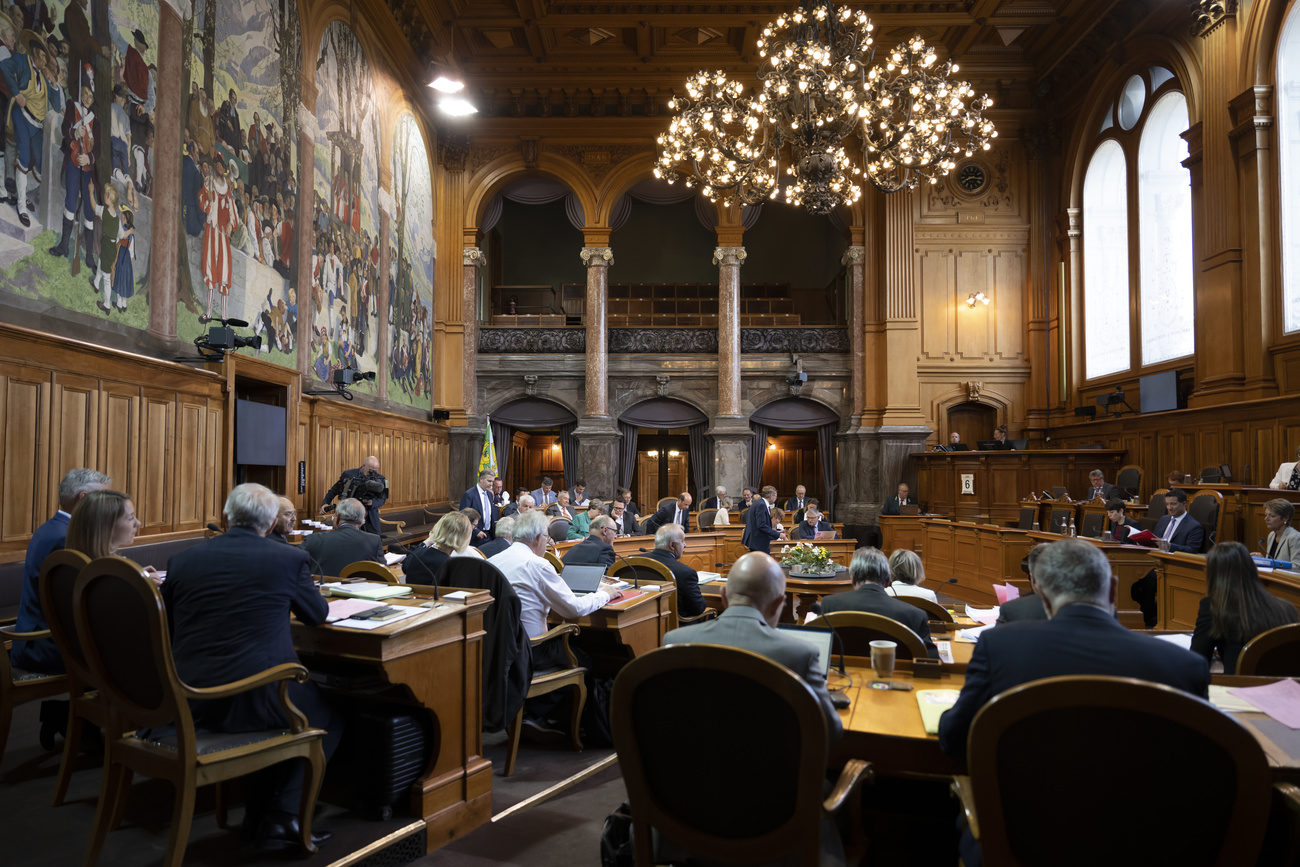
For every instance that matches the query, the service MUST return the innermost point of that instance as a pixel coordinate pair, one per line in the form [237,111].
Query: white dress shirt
[540,589]
[902,588]
[1283,477]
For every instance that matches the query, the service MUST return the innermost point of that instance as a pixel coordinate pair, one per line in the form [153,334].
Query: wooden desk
[977,555]
[636,624]
[433,662]
[901,531]
[1001,479]
[885,728]
[1180,585]
[703,550]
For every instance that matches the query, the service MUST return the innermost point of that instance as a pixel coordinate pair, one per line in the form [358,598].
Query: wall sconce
[653,454]
[673,454]
[977,298]
[771,447]
[555,447]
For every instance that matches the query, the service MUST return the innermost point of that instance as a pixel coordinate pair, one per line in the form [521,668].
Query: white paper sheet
[403,613]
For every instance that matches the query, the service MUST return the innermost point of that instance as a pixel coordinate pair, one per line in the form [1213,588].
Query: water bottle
[1035,525]
[1072,532]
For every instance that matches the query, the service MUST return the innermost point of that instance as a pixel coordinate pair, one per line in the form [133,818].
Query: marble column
[730,433]
[598,260]
[166,240]
[474,261]
[854,259]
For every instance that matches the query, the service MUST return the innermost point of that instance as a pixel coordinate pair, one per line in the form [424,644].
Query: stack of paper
[986,616]
[972,635]
[1280,700]
[393,559]
[706,577]
[368,590]
[342,609]
[933,703]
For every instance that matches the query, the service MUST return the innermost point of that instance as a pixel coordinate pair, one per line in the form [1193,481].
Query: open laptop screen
[817,637]
[582,578]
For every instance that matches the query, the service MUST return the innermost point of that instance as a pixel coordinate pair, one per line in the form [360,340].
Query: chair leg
[182,816]
[6,717]
[108,796]
[121,796]
[71,744]
[579,702]
[513,731]
[313,772]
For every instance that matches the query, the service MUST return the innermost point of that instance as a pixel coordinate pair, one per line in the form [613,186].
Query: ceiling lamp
[818,86]
[977,298]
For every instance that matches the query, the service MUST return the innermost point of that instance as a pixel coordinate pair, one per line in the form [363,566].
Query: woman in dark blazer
[1238,608]
[1283,542]
[1120,525]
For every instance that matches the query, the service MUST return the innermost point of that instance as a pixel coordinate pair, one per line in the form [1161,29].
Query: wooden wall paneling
[74,428]
[191,463]
[153,500]
[1008,269]
[937,301]
[119,435]
[214,489]
[974,326]
[25,423]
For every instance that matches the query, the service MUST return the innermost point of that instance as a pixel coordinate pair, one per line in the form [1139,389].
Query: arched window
[1105,262]
[1165,222]
[1137,231]
[1288,149]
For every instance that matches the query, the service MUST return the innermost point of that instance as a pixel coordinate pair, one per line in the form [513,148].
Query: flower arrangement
[807,558]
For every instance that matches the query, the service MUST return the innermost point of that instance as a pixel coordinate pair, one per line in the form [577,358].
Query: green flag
[487,461]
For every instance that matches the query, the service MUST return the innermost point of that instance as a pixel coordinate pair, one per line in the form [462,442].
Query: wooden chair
[58,578]
[1059,519]
[1060,492]
[1275,653]
[659,505]
[1210,475]
[1094,524]
[122,627]
[934,609]
[1155,510]
[664,575]
[18,686]
[552,558]
[559,528]
[1207,508]
[368,570]
[1199,791]
[1129,479]
[705,518]
[857,629]
[399,526]
[743,810]
[571,677]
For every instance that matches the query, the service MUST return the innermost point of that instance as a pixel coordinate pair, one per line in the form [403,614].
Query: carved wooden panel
[74,428]
[153,502]
[953,265]
[120,434]
[24,425]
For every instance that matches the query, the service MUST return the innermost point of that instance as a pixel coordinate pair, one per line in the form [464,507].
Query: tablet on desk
[582,578]
[817,636]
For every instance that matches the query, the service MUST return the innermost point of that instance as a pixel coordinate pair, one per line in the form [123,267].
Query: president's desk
[990,485]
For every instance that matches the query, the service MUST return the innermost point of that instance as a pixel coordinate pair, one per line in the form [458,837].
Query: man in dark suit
[499,495]
[670,542]
[678,512]
[798,501]
[598,548]
[228,604]
[1029,606]
[624,521]
[502,540]
[1082,636]
[812,524]
[285,520]
[1176,531]
[347,543]
[894,505]
[365,484]
[479,498]
[43,655]
[712,502]
[630,507]
[869,570]
[1099,487]
[759,532]
[755,597]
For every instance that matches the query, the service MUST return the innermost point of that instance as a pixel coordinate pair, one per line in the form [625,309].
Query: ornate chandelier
[818,86]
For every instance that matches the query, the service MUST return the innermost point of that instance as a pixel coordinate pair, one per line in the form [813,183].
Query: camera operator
[365,484]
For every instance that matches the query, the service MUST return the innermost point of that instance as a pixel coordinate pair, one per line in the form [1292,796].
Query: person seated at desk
[1000,437]
[560,508]
[598,548]
[502,541]
[1177,531]
[580,526]
[954,438]
[719,494]
[628,506]
[1120,525]
[1288,475]
[1080,636]
[347,543]
[798,501]
[670,543]
[523,503]
[285,520]
[907,574]
[579,499]
[869,571]
[450,538]
[1098,487]
[678,512]
[754,596]
[1236,608]
[544,496]
[228,603]
[811,525]
[1174,479]
[624,521]
[894,505]
[1283,541]
[1029,606]
[747,497]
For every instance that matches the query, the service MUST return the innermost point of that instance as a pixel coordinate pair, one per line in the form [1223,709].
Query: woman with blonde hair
[450,538]
[907,574]
[722,519]
[102,523]
[1283,541]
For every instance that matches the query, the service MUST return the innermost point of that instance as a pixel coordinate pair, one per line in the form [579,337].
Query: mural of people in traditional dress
[345,211]
[240,97]
[410,269]
[78,94]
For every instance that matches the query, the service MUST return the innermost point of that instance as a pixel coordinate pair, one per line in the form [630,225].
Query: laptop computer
[959,447]
[818,637]
[582,578]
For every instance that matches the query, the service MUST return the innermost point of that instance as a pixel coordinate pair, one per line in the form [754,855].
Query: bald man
[285,520]
[365,484]
[755,596]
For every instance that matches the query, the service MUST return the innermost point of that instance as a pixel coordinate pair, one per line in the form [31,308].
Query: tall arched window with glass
[1138,271]
[1288,151]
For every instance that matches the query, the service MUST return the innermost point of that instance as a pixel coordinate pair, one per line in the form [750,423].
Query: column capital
[854,256]
[1075,222]
[729,255]
[473,256]
[1207,15]
[600,257]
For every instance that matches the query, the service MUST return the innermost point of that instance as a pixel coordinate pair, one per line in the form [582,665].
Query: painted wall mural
[79,97]
[239,170]
[345,208]
[410,270]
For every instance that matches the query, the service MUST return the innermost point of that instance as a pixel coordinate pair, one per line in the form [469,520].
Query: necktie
[1173,525]
[487,510]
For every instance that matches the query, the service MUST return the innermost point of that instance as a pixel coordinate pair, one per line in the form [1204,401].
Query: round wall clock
[972,178]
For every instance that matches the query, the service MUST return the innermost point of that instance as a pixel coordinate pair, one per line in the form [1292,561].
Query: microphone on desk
[834,635]
[215,528]
[411,558]
[636,580]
